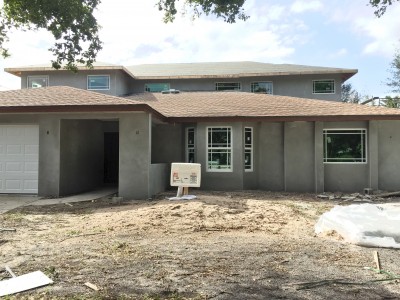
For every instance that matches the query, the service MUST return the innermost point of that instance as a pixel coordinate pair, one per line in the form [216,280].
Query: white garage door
[19,159]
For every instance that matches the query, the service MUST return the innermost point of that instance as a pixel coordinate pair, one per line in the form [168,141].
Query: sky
[334,33]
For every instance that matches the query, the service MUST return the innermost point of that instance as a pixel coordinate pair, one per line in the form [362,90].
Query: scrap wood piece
[391,194]
[376,259]
[8,229]
[23,283]
[10,272]
[92,286]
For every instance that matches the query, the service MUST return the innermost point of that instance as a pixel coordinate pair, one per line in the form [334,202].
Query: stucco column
[134,156]
[49,157]
[373,155]
[319,157]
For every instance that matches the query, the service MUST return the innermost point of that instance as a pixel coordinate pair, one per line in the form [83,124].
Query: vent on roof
[170,91]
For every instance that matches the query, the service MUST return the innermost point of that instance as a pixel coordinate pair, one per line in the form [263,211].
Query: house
[250,125]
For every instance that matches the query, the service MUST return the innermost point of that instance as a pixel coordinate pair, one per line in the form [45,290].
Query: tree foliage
[71,22]
[381,6]
[228,10]
[394,81]
[349,94]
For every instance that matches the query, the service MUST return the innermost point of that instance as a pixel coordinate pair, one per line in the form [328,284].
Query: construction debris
[23,283]
[7,229]
[92,286]
[369,196]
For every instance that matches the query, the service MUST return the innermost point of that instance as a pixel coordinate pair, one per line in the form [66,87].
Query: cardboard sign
[185,174]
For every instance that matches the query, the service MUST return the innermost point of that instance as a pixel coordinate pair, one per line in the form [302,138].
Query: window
[190,145]
[324,86]
[156,87]
[248,149]
[219,149]
[345,145]
[98,82]
[261,87]
[37,81]
[227,86]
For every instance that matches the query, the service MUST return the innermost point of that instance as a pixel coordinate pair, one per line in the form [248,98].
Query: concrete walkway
[9,202]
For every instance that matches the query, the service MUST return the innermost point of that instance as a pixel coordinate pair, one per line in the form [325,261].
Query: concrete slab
[9,201]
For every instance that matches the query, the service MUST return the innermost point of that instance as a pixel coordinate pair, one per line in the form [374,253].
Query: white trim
[187,143]
[36,76]
[334,87]
[365,133]
[231,150]
[251,148]
[240,83]
[272,87]
[98,75]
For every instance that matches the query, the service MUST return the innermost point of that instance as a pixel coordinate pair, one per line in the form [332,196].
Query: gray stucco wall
[297,86]
[299,156]
[159,178]
[389,155]
[345,177]
[168,144]
[81,156]
[271,156]
[135,155]
[119,81]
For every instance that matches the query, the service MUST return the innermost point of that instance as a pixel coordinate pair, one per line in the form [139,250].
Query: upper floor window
[261,87]
[37,81]
[345,145]
[98,82]
[190,145]
[324,86]
[227,86]
[219,149]
[156,87]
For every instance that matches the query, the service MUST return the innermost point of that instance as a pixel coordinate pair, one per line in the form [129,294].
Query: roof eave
[18,71]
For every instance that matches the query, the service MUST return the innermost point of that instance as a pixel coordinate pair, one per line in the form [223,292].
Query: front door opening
[111,158]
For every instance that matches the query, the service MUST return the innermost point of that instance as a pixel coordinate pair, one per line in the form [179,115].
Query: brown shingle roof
[239,105]
[63,98]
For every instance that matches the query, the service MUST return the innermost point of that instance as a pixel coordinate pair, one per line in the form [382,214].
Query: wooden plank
[10,272]
[377,260]
[92,286]
[23,283]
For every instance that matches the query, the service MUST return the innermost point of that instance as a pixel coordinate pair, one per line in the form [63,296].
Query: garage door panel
[19,158]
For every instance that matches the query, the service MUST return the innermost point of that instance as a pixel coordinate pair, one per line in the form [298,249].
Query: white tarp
[374,225]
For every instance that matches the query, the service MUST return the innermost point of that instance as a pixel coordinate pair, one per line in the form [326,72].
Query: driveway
[9,202]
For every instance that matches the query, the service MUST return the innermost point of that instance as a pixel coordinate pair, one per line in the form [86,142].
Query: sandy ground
[239,245]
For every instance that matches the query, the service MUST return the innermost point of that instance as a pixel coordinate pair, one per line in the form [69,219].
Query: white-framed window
[190,145]
[156,87]
[98,82]
[248,149]
[326,86]
[345,145]
[227,86]
[261,87]
[37,81]
[219,149]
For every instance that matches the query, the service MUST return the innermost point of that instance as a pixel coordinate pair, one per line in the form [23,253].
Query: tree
[394,82]
[381,6]
[75,29]
[349,94]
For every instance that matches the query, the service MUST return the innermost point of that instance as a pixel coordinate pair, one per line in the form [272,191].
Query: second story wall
[117,82]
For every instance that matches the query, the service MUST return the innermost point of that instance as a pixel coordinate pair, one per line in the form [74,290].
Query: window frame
[189,147]
[249,147]
[166,83]
[229,149]
[257,82]
[364,155]
[322,93]
[36,76]
[99,89]
[230,82]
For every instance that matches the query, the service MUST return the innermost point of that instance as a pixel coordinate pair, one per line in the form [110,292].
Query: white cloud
[301,6]
[339,53]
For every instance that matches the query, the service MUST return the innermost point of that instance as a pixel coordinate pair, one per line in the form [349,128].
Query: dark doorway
[111,157]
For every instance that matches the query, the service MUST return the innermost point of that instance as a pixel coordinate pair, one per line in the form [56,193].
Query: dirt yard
[239,245]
